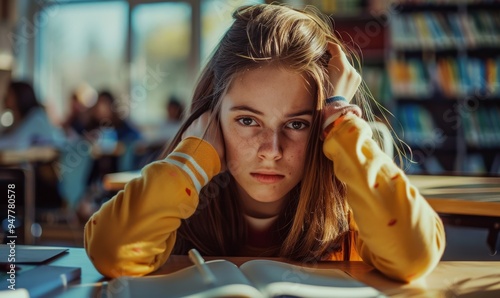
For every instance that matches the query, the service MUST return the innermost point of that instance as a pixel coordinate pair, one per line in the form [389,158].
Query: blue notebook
[40,280]
[30,254]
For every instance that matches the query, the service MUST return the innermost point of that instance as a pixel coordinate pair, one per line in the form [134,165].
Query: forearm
[399,233]
[134,233]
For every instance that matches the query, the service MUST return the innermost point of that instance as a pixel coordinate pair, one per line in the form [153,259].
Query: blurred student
[114,137]
[31,127]
[82,98]
[77,159]
[174,111]
[150,149]
[30,123]
[113,141]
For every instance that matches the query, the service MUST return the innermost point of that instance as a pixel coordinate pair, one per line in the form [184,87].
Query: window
[161,46]
[81,42]
[86,42]
[216,19]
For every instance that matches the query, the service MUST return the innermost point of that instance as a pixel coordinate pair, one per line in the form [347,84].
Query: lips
[267,177]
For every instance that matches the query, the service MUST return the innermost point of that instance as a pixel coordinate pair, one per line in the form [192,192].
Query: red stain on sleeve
[392,222]
[188,191]
[339,120]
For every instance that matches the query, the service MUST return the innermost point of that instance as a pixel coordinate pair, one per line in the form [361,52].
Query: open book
[256,278]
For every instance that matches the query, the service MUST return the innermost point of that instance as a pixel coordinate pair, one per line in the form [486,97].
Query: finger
[334,64]
[339,57]
[334,49]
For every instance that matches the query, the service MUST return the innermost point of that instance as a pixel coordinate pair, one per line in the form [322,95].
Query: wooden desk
[32,154]
[116,181]
[460,195]
[465,201]
[449,279]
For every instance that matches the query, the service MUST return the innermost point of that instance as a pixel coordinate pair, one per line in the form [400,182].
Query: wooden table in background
[460,194]
[116,181]
[32,154]
[465,201]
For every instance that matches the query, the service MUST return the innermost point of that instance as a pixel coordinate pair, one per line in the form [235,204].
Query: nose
[270,147]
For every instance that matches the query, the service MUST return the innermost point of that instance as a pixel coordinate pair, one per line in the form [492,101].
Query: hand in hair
[206,127]
[345,81]
[344,78]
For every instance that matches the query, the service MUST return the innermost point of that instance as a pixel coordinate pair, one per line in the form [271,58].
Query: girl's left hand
[344,78]
[345,81]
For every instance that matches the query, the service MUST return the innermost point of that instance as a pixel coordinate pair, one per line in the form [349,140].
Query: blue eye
[297,125]
[247,121]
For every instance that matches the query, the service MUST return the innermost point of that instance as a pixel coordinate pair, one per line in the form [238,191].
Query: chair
[42,160]
[21,176]
[44,213]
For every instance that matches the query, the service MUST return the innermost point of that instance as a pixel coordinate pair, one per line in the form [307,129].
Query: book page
[280,279]
[188,282]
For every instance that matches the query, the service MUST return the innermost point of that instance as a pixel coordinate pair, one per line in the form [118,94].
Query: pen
[205,272]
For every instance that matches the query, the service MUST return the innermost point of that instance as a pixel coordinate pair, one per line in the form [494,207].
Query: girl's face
[266,117]
[103,109]
[10,100]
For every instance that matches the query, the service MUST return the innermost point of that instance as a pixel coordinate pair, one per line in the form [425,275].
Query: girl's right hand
[207,128]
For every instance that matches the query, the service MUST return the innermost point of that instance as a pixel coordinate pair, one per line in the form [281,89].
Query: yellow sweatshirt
[399,233]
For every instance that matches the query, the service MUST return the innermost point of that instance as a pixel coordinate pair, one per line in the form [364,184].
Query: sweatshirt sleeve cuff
[197,158]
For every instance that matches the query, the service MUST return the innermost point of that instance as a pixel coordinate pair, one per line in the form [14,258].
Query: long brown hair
[315,220]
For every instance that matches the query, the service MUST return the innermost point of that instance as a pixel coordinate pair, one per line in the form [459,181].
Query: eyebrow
[252,110]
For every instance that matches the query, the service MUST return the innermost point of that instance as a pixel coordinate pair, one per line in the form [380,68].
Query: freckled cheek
[237,148]
[296,160]
[247,143]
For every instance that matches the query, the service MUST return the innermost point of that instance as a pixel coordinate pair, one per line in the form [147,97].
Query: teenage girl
[273,160]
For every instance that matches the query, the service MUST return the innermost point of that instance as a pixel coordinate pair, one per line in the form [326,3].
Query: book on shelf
[450,76]
[436,30]
[255,278]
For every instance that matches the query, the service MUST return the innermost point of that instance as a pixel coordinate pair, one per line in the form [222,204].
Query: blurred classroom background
[104,85]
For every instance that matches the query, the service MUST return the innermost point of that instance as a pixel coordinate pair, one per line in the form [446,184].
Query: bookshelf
[443,59]
[362,25]
[366,34]
[434,64]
